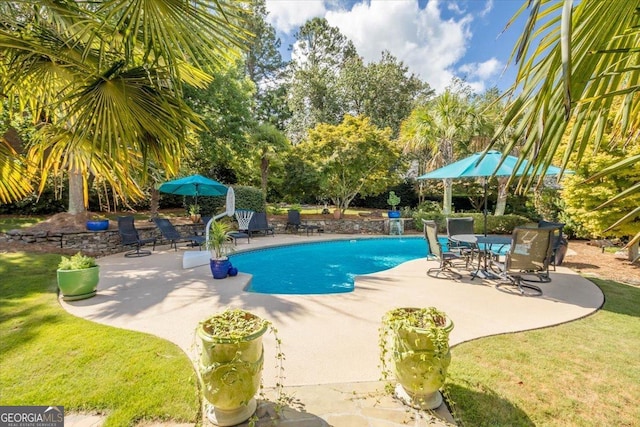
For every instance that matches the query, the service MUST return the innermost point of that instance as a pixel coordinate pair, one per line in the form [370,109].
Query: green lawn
[583,373]
[17,222]
[50,357]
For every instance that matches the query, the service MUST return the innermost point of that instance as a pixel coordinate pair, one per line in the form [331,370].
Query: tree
[383,91]
[104,81]
[354,157]
[491,107]
[583,70]
[317,58]
[581,202]
[225,108]
[264,66]
[267,142]
[440,129]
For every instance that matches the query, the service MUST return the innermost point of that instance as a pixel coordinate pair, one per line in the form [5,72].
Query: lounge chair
[529,255]
[259,224]
[130,237]
[170,233]
[235,235]
[435,250]
[294,223]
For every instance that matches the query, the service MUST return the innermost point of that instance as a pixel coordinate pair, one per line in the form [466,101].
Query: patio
[321,333]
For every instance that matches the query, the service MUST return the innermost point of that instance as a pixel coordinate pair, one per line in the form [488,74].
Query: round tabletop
[481,238]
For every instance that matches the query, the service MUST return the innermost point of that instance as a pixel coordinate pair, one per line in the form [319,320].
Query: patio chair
[295,223]
[529,255]
[129,237]
[259,224]
[560,244]
[170,233]
[435,249]
[460,226]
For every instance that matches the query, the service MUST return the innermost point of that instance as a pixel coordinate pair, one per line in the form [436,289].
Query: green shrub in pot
[78,277]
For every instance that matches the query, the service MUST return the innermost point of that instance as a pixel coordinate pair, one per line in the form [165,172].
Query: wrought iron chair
[529,255]
[435,249]
[130,237]
[170,233]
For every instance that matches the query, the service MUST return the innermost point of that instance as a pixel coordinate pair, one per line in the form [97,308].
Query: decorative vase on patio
[417,341]
[231,360]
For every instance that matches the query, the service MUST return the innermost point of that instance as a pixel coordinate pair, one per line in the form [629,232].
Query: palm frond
[14,180]
[578,68]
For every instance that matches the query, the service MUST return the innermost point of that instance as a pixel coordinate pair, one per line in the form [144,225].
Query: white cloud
[430,45]
[488,7]
[478,74]
[421,38]
[482,70]
[288,15]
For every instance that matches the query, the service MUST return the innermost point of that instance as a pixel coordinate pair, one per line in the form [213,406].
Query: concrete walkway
[330,341]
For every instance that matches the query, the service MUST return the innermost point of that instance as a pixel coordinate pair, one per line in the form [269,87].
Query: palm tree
[268,142]
[438,131]
[104,81]
[578,77]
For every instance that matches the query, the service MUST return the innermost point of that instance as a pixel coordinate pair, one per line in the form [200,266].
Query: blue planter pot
[393,214]
[98,225]
[219,268]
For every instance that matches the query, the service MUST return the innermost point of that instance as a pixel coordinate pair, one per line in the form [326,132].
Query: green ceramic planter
[231,372]
[421,358]
[78,284]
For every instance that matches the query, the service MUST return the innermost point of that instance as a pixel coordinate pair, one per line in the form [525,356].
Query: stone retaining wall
[102,243]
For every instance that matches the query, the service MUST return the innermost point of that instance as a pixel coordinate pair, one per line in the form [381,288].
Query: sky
[436,39]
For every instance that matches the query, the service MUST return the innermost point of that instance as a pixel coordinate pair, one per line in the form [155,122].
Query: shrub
[76,262]
[250,198]
[503,224]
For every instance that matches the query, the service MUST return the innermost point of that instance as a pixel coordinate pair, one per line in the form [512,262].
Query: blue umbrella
[194,185]
[476,166]
[473,167]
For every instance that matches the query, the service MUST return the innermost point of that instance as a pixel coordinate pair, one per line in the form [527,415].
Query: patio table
[483,246]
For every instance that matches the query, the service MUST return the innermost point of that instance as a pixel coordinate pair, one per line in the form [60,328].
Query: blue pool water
[324,267]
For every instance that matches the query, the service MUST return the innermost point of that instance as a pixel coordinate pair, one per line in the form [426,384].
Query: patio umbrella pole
[485,206]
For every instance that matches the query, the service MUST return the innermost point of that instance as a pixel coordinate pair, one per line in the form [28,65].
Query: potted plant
[194,213]
[78,277]
[97,223]
[218,244]
[393,201]
[230,366]
[415,341]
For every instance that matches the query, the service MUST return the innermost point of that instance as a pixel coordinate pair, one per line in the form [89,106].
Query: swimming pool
[324,267]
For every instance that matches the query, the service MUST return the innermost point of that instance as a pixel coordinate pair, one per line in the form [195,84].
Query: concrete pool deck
[330,341]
